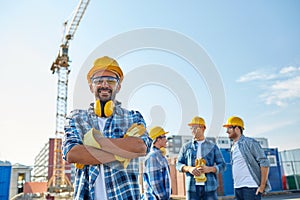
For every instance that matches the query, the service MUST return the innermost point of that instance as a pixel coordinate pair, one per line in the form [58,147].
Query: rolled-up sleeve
[220,163]
[260,155]
[181,160]
[72,136]
[138,118]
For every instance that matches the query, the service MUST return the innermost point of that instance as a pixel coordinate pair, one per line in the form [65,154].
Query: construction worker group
[106,141]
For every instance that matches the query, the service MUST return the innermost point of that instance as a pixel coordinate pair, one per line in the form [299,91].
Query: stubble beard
[109,94]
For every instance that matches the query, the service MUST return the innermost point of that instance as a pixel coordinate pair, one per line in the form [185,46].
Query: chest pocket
[210,157]
[190,156]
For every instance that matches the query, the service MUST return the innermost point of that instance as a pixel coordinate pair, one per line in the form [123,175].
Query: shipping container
[5,172]
[290,165]
[275,176]
[292,181]
[226,181]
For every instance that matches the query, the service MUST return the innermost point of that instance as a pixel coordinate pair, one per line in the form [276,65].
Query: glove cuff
[90,140]
[124,161]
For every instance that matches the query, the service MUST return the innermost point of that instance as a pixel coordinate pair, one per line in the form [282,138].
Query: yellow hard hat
[156,131]
[105,63]
[234,121]
[197,121]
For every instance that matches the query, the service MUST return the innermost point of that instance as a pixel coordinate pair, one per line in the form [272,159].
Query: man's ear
[118,87]
[91,88]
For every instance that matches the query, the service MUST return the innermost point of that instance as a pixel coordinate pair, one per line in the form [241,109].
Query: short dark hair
[241,129]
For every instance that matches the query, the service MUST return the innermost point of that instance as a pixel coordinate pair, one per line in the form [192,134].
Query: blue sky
[254,47]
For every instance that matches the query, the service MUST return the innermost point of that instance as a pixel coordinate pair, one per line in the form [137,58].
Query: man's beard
[110,96]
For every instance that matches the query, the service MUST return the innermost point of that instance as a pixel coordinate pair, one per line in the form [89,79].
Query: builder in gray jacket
[250,165]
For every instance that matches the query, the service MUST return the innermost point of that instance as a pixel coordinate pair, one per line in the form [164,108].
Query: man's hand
[260,189]
[195,171]
[192,170]
[205,169]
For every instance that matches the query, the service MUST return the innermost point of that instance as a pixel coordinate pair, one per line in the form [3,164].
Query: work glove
[89,140]
[124,161]
[199,162]
[134,130]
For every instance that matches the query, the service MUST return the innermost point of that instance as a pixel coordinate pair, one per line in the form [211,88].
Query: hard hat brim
[228,125]
[191,124]
[153,138]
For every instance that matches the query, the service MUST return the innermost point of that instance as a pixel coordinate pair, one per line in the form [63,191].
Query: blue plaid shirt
[156,176]
[120,183]
[212,155]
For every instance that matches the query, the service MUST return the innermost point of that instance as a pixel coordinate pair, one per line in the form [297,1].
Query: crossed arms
[129,147]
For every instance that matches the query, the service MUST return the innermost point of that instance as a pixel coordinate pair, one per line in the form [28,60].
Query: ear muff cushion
[97,108]
[108,108]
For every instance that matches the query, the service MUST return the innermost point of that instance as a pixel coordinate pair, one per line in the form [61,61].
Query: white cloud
[282,91]
[289,69]
[279,88]
[255,75]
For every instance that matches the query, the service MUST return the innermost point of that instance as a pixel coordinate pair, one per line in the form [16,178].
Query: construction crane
[59,182]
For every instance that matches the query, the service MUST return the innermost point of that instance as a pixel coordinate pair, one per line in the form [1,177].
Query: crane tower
[59,182]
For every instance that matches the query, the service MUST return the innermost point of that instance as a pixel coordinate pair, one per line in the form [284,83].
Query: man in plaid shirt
[156,175]
[106,140]
[200,148]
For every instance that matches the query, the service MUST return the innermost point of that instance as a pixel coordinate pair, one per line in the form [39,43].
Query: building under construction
[43,164]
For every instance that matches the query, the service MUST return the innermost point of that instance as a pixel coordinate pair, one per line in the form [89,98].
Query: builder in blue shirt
[105,140]
[201,180]
[156,175]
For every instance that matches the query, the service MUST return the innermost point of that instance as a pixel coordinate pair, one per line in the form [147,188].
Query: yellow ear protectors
[104,109]
[163,151]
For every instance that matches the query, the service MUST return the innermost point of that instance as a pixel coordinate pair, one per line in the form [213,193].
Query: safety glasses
[195,127]
[231,127]
[99,80]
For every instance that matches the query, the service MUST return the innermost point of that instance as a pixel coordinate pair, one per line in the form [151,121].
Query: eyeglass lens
[109,79]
